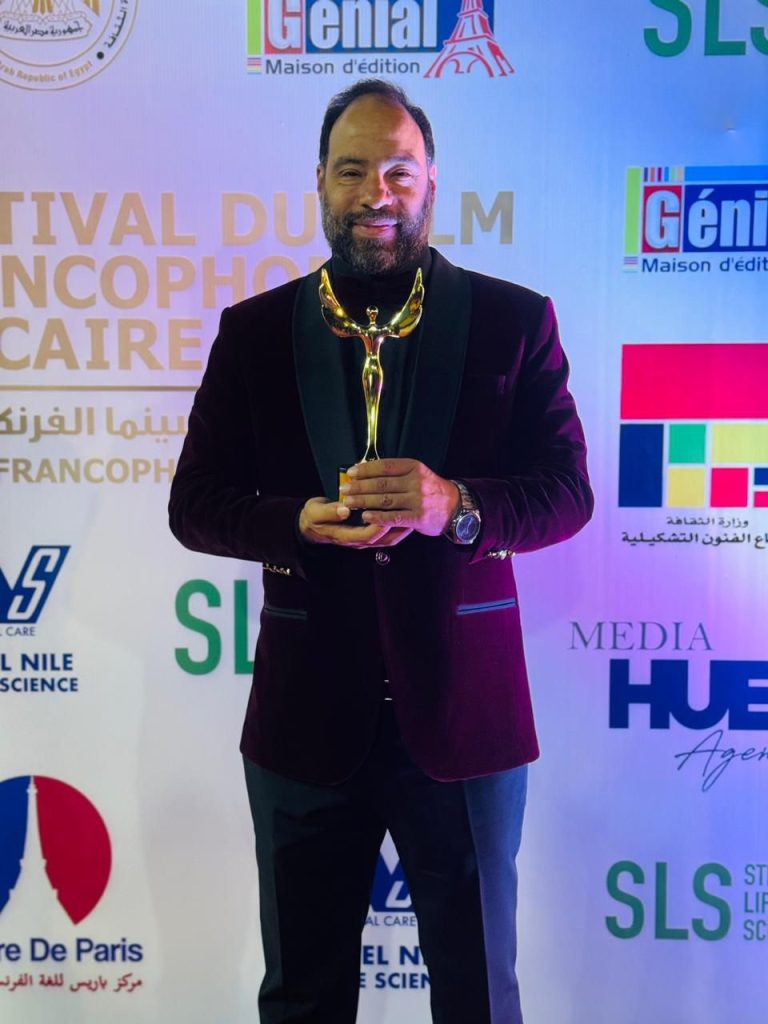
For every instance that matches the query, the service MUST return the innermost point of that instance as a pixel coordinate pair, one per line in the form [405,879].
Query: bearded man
[389,689]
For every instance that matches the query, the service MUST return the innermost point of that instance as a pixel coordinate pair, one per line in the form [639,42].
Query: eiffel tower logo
[471,45]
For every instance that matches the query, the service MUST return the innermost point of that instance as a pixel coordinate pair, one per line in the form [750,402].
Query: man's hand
[401,494]
[324,522]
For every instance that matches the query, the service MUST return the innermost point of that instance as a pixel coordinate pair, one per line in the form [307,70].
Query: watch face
[467,527]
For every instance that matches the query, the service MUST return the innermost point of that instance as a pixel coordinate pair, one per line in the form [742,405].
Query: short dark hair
[389,93]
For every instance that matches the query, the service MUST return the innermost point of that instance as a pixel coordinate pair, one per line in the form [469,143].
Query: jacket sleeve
[215,505]
[543,495]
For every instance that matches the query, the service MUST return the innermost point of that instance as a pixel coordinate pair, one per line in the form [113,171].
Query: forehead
[371,126]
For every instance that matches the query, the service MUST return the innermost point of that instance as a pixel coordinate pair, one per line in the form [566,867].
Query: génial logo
[49,825]
[24,600]
[456,35]
[694,426]
[696,219]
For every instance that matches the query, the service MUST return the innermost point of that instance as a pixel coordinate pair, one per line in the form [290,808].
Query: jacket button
[382,558]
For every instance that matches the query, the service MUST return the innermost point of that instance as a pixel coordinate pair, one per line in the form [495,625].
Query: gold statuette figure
[373,337]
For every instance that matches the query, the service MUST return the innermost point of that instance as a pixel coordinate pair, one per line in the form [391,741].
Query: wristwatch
[466,521]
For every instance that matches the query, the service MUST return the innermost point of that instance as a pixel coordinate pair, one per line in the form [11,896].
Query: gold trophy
[373,337]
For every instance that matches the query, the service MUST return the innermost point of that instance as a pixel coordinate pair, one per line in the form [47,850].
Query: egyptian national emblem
[59,44]
[48,20]
[471,46]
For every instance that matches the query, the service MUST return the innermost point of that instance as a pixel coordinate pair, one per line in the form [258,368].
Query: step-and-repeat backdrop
[158,164]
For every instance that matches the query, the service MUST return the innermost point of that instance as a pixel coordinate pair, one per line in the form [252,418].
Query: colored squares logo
[48,823]
[694,430]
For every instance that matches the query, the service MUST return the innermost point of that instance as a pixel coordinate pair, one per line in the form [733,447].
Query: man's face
[376,190]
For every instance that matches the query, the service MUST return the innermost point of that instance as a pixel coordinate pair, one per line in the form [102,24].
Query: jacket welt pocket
[295,614]
[478,608]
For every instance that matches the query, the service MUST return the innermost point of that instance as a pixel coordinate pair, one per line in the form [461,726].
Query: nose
[376,192]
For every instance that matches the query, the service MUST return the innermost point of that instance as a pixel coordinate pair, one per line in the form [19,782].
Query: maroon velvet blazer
[489,405]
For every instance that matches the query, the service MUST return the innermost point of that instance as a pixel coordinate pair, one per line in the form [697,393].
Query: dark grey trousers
[317,849]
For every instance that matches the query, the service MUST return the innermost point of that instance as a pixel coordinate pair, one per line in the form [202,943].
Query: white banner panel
[158,165]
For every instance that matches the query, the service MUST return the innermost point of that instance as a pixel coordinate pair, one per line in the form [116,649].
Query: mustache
[373,217]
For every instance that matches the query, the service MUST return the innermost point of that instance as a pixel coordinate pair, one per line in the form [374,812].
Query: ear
[433,179]
[320,174]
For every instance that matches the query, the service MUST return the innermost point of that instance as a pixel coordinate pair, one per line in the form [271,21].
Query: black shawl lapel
[322,388]
[444,335]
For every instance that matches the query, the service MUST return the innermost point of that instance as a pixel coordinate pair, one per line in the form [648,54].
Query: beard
[373,255]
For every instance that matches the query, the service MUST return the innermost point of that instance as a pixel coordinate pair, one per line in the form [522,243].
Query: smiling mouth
[375,228]
[373,219]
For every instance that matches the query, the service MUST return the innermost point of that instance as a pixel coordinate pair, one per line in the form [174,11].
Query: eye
[401,174]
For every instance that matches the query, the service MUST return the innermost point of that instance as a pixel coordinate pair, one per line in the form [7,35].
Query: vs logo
[24,600]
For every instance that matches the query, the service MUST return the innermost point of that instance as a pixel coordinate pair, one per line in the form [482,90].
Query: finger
[398,519]
[386,501]
[315,513]
[319,512]
[351,536]
[380,468]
